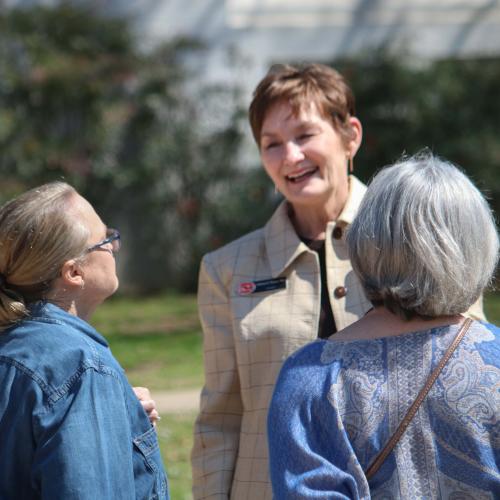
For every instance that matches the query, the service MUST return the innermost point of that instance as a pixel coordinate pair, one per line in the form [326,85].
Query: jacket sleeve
[84,443]
[217,428]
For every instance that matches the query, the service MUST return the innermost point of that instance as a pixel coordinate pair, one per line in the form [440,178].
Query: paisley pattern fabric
[337,403]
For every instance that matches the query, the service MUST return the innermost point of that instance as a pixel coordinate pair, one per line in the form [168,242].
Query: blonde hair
[38,233]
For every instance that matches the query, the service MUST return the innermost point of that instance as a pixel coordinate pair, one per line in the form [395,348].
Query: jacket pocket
[151,481]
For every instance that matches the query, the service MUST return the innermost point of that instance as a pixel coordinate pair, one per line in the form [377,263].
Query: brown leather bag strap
[380,458]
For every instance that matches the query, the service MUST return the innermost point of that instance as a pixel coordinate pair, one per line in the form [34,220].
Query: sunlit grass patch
[175,433]
[157,339]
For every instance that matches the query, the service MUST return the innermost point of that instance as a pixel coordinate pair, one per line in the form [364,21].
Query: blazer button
[337,233]
[340,292]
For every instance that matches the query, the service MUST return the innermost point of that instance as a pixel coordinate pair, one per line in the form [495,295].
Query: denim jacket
[71,426]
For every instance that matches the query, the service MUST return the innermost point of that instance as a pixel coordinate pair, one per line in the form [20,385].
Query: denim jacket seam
[46,388]
[142,442]
[95,354]
[44,319]
[55,394]
[62,390]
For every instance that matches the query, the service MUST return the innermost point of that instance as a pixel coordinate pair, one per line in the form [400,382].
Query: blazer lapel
[283,245]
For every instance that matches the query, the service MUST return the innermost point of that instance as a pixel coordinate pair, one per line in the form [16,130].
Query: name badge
[249,287]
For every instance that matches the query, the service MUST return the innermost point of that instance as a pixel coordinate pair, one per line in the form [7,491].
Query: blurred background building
[266,31]
[243,37]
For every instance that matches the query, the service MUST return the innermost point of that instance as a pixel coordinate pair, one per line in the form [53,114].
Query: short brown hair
[300,85]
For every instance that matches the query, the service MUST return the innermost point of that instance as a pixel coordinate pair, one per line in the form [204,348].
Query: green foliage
[492,307]
[61,70]
[79,101]
[450,106]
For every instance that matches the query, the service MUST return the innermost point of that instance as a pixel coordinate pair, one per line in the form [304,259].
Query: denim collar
[50,313]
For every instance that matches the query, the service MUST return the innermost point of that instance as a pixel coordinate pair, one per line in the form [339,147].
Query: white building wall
[245,36]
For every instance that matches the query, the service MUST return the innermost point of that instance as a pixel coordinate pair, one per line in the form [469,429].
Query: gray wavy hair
[38,233]
[424,241]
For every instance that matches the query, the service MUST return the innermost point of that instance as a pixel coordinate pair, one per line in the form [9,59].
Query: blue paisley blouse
[337,403]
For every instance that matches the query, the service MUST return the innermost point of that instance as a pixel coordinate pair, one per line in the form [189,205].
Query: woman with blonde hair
[404,403]
[70,424]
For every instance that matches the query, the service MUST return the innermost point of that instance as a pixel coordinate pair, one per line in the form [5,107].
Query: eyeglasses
[113,237]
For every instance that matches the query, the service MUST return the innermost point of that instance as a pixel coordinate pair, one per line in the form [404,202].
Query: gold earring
[351,163]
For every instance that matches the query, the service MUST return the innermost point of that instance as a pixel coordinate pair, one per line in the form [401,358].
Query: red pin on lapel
[246,288]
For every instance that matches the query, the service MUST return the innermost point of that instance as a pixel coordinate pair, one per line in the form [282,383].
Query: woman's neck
[380,322]
[310,221]
[70,303]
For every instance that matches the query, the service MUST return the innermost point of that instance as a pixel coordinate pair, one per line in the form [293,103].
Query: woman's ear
[72,274]
[357,136]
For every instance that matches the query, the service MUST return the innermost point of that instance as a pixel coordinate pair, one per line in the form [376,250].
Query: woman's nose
[293,153]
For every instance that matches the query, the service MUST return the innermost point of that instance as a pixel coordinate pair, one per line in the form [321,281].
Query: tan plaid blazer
[247,337]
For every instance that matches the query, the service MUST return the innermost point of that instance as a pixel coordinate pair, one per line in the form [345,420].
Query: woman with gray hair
[404,403]
[70,424]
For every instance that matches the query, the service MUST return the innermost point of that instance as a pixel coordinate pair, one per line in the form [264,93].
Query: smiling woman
[70,423]
[268,293]
[272,291]
[306,158]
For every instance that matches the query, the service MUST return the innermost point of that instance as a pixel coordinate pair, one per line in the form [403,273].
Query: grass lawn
[158,341]
[175,433]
